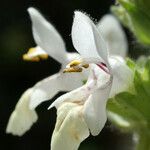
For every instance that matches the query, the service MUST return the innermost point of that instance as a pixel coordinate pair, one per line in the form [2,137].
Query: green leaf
[134,108]
[131,64]
[130,112]
[135,14]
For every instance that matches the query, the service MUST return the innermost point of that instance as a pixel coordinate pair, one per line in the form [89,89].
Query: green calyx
[130,110]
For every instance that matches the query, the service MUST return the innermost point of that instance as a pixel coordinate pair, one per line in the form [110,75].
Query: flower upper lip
[50,41]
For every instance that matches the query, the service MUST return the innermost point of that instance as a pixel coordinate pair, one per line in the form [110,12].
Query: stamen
[72,69]
[32,55]
[74,63]
[27,58]
[85,65]
[75,66]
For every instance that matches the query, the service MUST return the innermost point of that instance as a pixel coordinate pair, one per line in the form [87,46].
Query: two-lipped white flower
[48,39]
[84,109]
[50,43]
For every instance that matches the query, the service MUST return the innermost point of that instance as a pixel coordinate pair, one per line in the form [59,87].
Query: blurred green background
[16,75]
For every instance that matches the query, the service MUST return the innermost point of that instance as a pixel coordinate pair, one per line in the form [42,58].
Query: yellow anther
[72,69]
[75,66]
[32,50]
[85,65]
[43,56]
[74,63]
[27,58]
[32,55]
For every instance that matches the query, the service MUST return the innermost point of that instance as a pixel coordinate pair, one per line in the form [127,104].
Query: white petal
[122,76]
[95,110]
[49,87]
[72,56]
[22,117]
[87,39]
[44,90]
[70,129]
[114,35]
[47,37]
[78,95]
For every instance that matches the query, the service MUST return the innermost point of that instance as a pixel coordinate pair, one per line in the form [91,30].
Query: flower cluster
[100,61]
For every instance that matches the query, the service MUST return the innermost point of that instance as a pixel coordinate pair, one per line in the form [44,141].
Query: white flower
[109,75]
[49,42]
